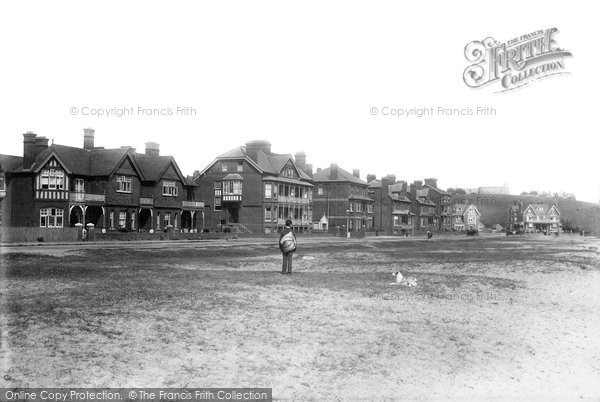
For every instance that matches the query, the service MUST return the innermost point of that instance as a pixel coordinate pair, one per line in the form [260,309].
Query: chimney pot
[431,182]
[371,177]
[300,158]
[152,148]
[256,146]
[88,138]
[29,149]
[333,171]
[309,169]
[356,173]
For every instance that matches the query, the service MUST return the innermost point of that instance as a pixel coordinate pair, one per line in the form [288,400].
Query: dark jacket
[285,231]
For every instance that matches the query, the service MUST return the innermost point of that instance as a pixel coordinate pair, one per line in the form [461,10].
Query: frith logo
[514,63]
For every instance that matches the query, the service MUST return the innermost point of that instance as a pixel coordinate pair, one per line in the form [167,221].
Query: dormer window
[288,172]
[123,184]
[169,189]
[52,179]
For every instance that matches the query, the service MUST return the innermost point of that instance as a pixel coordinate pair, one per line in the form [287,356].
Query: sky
[306,76]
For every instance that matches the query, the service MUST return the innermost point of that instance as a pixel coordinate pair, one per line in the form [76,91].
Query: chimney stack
[356,173]
[385,184]
[300,159]
[152,149]
[318,170]
[88,138]
[392,178]
[371,177]
[29,140]
[41,143]
[256,146]
[333,171]
[196,173]
[309,169]
[431,182]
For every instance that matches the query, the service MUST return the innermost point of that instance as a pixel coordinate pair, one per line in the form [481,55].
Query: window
[240,166]
[268,190]
[111,220]
[268,214]
[320,190]
[471,219]
[223,167]
[233,187]
[169,189]
[175,221]
[218,206]
[79,186]
[133,220]
[288,171]
[2,182]
[122,219]
[51,217]
[123,184]
[52,179]
[167,220]
[218,192]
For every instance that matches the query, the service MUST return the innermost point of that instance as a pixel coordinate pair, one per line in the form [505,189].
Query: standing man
[287,245]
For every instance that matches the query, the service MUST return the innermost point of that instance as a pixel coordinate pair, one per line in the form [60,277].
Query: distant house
[541,218]
[423,208]
[115,189]
[252,189]
[342,197]
[534,218]
[466,216]
[392,206]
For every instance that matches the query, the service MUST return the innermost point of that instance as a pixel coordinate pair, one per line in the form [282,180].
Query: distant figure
[287,245]
[429,234]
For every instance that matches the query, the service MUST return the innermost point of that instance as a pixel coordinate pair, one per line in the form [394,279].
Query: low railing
[146,201]
[86,197]
[295,222]
[192,204]
[293,200]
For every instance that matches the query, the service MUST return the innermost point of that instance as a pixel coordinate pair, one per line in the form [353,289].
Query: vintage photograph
[282,201]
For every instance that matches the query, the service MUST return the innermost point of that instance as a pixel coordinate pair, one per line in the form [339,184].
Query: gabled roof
[154,167]
[269,164]
[545,209]
[375,184]
[471,207]
[96,162]
[426,202]
[437,190]
[343,176]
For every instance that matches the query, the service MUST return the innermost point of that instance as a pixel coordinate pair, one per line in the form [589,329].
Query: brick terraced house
[423,207]
[392,206]
[342,198]
[113,189]
[251,189]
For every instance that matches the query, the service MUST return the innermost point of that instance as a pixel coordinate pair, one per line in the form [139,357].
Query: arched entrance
[76,215]
[186,220]
[145,219]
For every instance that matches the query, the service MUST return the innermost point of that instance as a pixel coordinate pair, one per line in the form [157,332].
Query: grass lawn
[507,317]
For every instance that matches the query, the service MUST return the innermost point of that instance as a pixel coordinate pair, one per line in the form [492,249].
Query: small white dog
[402,280]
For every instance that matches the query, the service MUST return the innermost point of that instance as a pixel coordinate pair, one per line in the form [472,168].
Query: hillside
[494,209]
